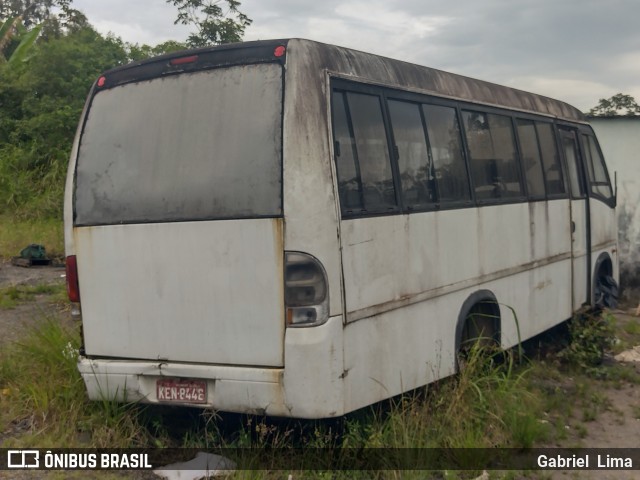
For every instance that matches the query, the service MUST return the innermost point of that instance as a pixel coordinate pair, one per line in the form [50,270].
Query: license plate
[181,391]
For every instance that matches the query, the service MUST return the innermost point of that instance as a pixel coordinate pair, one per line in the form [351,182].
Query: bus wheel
[605,291]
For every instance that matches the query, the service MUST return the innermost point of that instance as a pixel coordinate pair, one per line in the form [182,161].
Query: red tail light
[184,60]
[72,279]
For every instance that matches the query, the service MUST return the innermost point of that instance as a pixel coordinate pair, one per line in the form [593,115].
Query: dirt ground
[617,426]
[14,321]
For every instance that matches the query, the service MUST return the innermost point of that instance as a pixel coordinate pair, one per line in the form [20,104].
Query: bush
[590,335]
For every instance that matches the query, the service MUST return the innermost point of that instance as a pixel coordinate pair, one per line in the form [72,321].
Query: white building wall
[619,139]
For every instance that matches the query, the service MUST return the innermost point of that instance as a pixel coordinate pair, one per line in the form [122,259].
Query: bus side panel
[401,256]
[407,277]
[409,347]
[550,231]
[399,350]
[603,225]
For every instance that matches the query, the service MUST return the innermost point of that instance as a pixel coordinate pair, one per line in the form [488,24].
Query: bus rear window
[197,146]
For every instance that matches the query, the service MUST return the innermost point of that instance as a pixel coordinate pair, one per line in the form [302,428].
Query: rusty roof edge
[563,109]
[435,93]
[526,101]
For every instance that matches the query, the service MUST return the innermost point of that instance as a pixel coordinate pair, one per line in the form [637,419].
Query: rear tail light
[306,291]
[73,288]
[184,60]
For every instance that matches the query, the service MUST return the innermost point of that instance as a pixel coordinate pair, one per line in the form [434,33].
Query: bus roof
[366,67]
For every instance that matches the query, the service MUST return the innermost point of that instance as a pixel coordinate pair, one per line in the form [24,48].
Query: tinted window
[183,147]
[417,175]
[446,151]
[372,152]
[550,159]
[531,158]
[571,155]
[596,169]
[494,169]
[350,189]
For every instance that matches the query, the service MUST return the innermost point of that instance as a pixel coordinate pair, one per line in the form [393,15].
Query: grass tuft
[43,400]
[13,295]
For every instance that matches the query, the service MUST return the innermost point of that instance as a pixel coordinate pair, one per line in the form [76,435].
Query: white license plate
[181,391]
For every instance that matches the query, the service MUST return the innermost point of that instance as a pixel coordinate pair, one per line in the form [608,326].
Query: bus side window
[598,179]
[531,158]
[349,184]
[494,168]
[554,177]
[372,152]
[417,175]
[570,153]
[446,150]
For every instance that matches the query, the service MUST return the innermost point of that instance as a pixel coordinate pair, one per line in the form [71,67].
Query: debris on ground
[627,356]
[33,254]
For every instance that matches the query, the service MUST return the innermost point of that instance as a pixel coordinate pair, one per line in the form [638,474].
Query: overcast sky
[575,50]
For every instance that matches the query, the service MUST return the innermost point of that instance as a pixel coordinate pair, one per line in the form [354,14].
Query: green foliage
[618,105]
[591,334]
[40,104]
[41,389]
[16,233]
[214,25]
[137,52]
[7,31]
[25,47]
[34,12]
[11,296]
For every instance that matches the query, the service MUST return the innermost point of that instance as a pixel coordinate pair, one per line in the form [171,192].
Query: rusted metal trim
[454,287]
[604,246]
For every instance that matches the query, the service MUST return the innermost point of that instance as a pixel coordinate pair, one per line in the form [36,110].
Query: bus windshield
[193,146]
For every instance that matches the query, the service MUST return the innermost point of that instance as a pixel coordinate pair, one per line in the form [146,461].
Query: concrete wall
[619,139]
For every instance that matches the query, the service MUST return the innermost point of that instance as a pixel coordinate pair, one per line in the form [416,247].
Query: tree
[137,52]
[40,103]
[13,33]
[22,22]
[34,12]
[618,105]
[215,25]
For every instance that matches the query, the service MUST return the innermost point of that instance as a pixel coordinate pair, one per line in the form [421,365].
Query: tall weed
[43,400]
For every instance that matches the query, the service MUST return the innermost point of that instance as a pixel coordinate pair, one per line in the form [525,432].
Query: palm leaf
[7,31]
[22,51]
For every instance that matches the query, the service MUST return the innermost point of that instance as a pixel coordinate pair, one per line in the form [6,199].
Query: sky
[578,51]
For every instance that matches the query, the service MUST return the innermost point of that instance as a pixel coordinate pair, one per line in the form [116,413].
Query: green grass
[16,234]
[494,402]
[43,399]
[13,295]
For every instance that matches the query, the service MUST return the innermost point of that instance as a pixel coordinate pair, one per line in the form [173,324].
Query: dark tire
[605,292]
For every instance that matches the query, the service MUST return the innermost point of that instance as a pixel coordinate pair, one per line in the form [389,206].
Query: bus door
[580,222]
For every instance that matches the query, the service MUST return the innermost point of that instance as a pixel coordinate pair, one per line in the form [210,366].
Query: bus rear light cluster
[306,291]
[73,288]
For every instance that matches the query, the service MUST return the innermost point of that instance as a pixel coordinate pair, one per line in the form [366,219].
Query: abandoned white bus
[297,229]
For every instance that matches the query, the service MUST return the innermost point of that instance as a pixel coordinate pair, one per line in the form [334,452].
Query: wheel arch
[602,268]
[480,297]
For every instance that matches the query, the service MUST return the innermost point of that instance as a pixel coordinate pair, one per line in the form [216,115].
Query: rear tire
[606,291]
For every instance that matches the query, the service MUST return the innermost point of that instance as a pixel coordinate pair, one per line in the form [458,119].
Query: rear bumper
[310,385]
